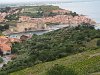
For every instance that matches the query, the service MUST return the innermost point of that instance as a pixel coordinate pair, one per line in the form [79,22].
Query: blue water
[89,8]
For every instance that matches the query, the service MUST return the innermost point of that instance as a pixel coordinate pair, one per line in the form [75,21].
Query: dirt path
[6,59]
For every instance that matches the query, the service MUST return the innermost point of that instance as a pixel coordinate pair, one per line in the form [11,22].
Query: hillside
[37,11]
[86,63]
[34,9]
[55,45]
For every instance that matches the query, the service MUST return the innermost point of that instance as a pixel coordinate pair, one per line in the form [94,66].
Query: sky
[17,1]
[25,1]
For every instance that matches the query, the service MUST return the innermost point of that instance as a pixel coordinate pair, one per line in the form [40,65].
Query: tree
[5,9]
[51,46]
[15,47]
[52,14]
[12,17]
[73,14]
[4,27]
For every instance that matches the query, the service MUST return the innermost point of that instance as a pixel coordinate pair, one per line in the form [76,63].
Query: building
[2,16]
[24,38]
[24,18]
[26,26]
[6,49]
[6,44]
[3,39]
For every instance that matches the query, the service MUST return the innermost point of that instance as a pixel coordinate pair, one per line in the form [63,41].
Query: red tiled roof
[5,47]
[3,39]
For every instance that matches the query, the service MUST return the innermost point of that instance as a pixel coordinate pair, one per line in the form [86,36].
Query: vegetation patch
[80,63]
[51,46]
[61,70]
[1,60]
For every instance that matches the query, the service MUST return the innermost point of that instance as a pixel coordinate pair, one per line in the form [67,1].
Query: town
[26,23]
[29,23]
[49,37]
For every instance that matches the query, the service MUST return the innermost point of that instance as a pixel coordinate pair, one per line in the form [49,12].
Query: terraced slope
[86,63]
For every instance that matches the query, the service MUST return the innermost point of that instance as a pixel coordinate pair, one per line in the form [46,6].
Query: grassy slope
[86,62]
[83,62]
[34,9]
[92,43]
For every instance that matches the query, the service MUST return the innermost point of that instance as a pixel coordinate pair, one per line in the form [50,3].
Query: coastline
[87,8]
[40,32]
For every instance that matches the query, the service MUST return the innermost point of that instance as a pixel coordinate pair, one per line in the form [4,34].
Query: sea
[90,8]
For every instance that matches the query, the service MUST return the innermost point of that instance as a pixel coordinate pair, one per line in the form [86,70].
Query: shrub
[98,43]
[61,70]
[1,60]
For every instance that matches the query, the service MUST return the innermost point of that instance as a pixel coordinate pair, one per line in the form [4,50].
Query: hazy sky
[16,1]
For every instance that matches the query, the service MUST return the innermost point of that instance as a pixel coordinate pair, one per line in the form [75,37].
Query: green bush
[12,17]
[61,70]
[98,43]
[1,60]
[4,27]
